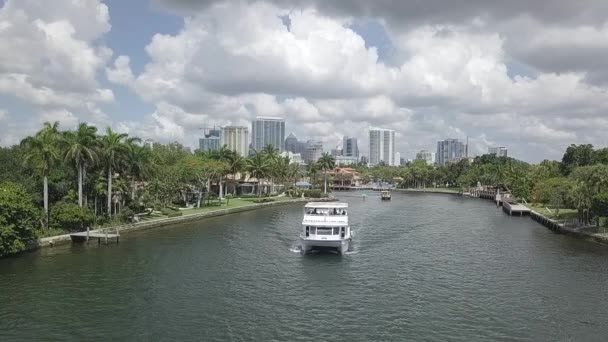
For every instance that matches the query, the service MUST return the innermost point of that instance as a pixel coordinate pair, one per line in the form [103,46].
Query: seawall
[65,238]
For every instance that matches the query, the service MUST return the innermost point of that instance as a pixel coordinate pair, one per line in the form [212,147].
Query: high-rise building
[211,141]
[268,131]
[427,156]
[236,138]
[335,152]
[364,160]
[397,159]
[291,144]
[500,151]
[381,146]
[149,143]
[349,147]
[314,150]
[449,150]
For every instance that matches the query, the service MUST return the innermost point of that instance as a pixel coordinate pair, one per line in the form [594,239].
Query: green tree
[70,216]
[326,163]
[18,217]
[258,166]
[113,150]
[43,152]
[576,155]
[237,165]
[599,206]
[224,155]
[81,150]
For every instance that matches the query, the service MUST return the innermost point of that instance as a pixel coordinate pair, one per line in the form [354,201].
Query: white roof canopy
[329,205]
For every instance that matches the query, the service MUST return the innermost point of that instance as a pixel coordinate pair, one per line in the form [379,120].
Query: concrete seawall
[428,191]
[65,238]
[560,228]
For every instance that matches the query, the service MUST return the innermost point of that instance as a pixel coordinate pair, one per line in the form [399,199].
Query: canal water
[424,267]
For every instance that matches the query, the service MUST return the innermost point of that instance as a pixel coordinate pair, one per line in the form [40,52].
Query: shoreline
[430,191]
[63,239]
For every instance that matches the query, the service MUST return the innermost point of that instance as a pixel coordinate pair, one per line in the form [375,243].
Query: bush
[263,200]
[126,215]
[180,203]
[70,217]
[175,214]
[18,218]
[316,193]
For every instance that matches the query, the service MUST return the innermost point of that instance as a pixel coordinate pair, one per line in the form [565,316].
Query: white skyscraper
[427,156]
[381,146]
[498,151]
[397,159]
[268,131]
[236,138]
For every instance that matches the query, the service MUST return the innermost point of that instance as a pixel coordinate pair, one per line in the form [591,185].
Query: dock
[101,234]
[515,208]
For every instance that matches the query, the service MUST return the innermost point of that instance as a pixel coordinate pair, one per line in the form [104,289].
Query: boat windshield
[325,211]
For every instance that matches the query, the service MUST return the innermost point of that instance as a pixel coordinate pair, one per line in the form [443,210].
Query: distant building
[344,160]
[313,151]
[397,160]
[500,151]
[149,143]
[291,144]
[294,158]
[211,141]
[236,138]
[364,160]
[268,131]
[402,162]
[349,147]
[449,150]
[381,146]
[427,156]
[336,152]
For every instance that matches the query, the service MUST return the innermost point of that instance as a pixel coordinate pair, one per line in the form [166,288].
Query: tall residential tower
[268,131]
[236,138]
[381,146]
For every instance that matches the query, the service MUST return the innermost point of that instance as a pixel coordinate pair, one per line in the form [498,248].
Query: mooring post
[106,237]
[88,228]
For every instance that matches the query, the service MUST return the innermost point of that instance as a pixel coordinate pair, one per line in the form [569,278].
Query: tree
[258,166]
[237,164]
[326,162]
[599,206]
[576,155]
[272,154]
[43,151]
[18,218]
[81,146]
[313,169]
[113,150]
[70,216]
[141,164]
[223,154]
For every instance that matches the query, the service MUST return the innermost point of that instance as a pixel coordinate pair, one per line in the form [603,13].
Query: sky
[532,76]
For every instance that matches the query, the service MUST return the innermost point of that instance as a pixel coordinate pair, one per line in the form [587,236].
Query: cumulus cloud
[50,58]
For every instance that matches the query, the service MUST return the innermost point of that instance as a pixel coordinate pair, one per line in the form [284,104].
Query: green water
[423,267]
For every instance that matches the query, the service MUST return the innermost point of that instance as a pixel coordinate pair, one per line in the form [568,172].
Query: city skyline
[439,76]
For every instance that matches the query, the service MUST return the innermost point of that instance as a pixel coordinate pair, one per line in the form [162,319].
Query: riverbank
[447,191]
[189,215]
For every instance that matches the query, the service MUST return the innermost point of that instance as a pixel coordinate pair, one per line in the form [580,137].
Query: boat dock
[101,234]
[515,208]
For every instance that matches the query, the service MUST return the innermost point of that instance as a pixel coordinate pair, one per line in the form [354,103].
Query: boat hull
[340,245]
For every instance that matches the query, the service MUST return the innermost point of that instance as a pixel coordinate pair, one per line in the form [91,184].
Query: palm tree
[113,150]
[313,169]
[237,163]
[141,164]
[42,152]
[81,145]
[272,154]
[326,162]
[258,166]
[280,168]
[223,154]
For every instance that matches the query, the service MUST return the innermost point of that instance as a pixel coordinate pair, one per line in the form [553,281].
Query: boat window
[336,230]
[324,231]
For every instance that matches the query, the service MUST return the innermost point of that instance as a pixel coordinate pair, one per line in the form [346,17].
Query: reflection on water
[422,267]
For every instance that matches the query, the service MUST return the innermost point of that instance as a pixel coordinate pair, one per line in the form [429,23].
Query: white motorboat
[325,225]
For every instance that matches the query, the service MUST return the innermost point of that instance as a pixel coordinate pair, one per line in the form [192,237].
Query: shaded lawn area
[233,203]
[564,213]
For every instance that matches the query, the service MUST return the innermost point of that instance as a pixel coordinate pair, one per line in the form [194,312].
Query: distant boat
[385,195]
[325,225]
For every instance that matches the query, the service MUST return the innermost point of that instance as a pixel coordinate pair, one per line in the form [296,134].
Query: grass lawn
[234,203]
[442,190]
[563,213]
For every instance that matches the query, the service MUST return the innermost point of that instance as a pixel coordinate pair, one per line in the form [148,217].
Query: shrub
[316,193]
[263,200]
[126,215]
[70,217]
[175,214]
[18,218]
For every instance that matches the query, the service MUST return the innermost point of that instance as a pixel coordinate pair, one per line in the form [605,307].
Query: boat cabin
[385,195]
[326,220]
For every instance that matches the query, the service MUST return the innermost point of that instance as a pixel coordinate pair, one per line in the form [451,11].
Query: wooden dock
[101,234]
[515,208]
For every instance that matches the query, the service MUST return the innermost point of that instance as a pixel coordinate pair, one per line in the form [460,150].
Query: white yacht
[325,225]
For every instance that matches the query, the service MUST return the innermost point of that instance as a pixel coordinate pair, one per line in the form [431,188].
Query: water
[424,267]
